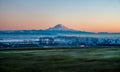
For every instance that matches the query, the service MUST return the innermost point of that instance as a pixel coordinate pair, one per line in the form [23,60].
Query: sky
[84,15]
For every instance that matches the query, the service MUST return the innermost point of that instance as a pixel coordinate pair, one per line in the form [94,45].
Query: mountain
[59,27]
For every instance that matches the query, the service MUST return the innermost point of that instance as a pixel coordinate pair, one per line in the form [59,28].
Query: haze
[85,15]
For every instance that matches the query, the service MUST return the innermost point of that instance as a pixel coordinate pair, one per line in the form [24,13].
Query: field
[61,60]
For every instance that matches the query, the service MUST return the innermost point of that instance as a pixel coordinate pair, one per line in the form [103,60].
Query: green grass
[61,60]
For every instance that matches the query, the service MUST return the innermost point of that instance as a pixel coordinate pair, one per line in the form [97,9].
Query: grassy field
[61,60]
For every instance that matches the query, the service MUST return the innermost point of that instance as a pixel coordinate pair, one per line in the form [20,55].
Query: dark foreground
[61,60]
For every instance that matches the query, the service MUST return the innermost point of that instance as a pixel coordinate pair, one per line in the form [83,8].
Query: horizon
[83,15]
[67,28]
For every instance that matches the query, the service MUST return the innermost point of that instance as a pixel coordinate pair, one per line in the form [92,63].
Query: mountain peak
[59,27]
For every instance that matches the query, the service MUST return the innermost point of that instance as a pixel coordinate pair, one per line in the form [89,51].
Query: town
[62,41]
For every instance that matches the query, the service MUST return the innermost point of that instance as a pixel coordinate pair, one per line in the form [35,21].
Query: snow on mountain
[59,27]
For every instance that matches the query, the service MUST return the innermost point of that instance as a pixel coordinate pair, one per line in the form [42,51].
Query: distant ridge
[58,29]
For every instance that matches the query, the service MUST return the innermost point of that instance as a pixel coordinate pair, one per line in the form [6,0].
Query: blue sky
[77,14]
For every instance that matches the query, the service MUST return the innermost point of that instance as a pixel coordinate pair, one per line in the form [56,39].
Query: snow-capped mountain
[59,27]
